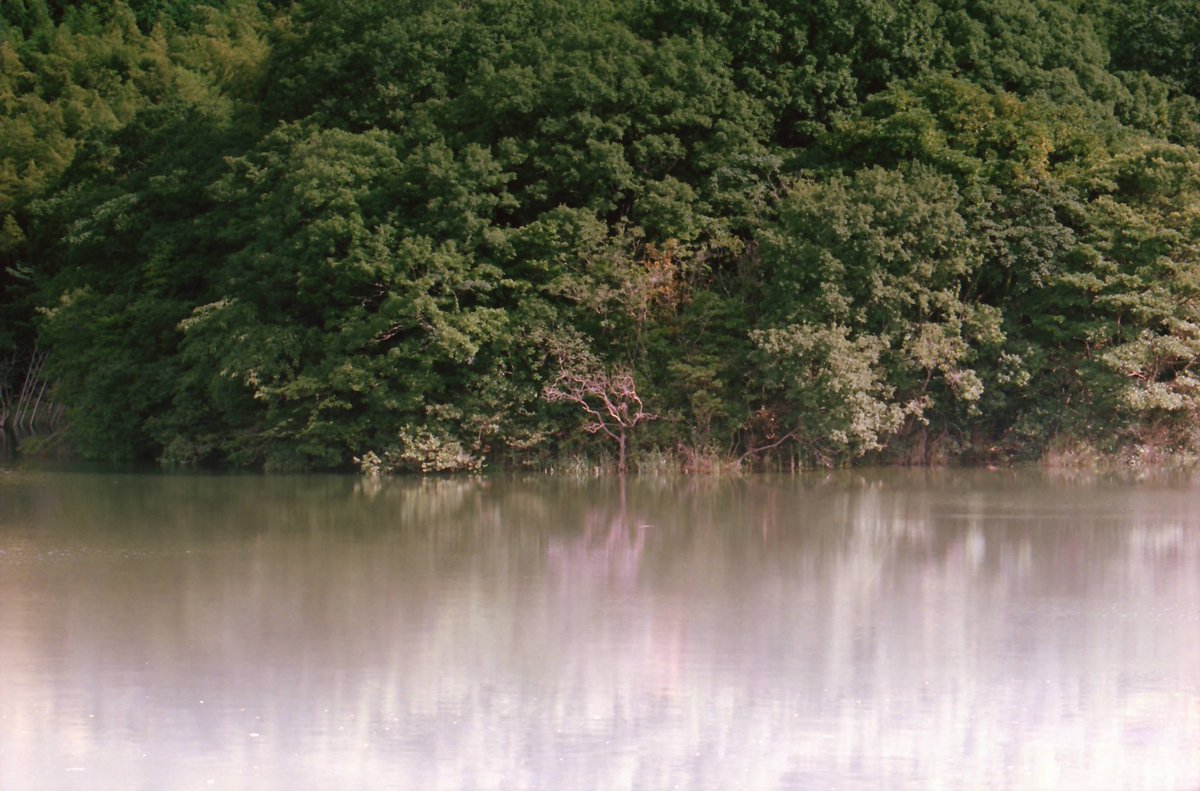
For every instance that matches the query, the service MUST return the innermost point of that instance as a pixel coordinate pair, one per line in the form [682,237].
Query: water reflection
[894,630]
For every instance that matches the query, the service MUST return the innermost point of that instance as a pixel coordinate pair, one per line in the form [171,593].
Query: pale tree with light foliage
[609,399]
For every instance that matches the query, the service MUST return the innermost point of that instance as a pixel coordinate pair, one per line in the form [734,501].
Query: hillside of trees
[438,235]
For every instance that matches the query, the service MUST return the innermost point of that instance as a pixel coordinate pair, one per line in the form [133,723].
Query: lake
[856,630]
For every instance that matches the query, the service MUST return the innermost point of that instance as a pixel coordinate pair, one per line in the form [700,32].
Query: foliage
[328,235]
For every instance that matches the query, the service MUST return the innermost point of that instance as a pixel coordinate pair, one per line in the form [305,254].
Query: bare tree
[33,405]
[610,401]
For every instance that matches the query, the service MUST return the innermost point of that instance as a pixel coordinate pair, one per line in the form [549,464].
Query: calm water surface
[952,630]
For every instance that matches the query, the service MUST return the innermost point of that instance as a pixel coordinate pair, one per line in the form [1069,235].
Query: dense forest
[437,235]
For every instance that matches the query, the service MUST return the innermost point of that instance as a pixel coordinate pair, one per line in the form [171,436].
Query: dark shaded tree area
[320,235]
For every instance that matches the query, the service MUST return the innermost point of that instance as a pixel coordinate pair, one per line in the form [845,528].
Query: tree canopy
[318,235]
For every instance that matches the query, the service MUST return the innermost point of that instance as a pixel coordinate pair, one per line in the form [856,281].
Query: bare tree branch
[610,400]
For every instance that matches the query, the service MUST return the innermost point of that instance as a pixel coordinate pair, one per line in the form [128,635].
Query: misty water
[868,630]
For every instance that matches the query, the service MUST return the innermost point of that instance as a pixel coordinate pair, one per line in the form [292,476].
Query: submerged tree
[610,400]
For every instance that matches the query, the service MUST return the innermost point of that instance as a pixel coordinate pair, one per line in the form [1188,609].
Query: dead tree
[33,405]
[610,401]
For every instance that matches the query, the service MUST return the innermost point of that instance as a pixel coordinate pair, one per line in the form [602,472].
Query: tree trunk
[621,452]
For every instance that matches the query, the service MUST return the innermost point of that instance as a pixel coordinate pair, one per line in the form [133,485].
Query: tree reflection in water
[882,630]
